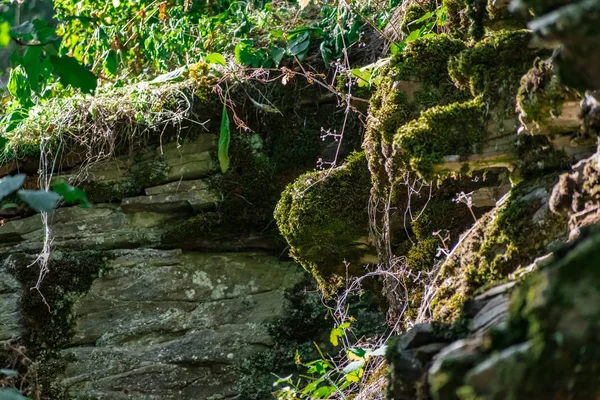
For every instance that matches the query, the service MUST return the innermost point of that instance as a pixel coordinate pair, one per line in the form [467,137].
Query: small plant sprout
[466,198]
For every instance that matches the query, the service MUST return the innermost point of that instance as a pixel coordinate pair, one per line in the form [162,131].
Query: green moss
[493,67]
[200,225]
[47,320]
[323,215]
[416,80]
[541,97]
[536,157]
[412,13]
[456,129]
[506,239]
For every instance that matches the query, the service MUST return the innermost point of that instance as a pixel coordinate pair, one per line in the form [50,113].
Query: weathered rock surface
[169,325]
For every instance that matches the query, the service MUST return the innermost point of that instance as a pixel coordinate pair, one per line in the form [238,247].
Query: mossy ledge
[323,216]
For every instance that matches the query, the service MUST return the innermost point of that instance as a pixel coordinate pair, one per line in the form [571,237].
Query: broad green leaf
[19,88]
[353,366]
[33,66]
[396,48]
[299,44]
[9,372]
[224,140]
[72,73]
[323,392]
[111,63]
[4,34]
[354,376]
[10,184]
[344,325]
[13,120]
[170,76]
[8,206]
[39,200]
[215,58]
[277,54]
[3,142]
[71,194]
[423,18]
[245,55]
[356,354]
[11,394]
[42,31]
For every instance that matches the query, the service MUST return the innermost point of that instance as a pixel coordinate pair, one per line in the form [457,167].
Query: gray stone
[486,378]
[10,290]
[418,335]
[202,198]
[162,324]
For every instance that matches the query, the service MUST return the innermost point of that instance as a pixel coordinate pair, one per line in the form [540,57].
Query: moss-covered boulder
[550,347]
[508,238]
[325,219]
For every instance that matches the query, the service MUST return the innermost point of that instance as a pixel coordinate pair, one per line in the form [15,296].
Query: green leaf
[224,140]
[277,54]
[353,366]
[72,73]
[9,372]
[19,88]
[299,44]
[396,48]
[265,107]
[42,31]
[344,325]
[245,54]
[10,184]
[116,3]
[11,394]
[335,334]
[111,63]
[175,75]
[33,66]
[71,194]
[324,392]
[4,34]
[39,200]
[215,58]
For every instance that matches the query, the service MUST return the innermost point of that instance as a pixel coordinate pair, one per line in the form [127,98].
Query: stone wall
[130,315]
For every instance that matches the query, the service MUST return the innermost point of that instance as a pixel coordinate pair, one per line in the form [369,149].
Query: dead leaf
[303,4]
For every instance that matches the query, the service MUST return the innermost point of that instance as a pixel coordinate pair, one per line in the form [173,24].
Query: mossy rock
[416,80]
[323,216]
[541,97]
[457,129]
[494,66]
[507,238]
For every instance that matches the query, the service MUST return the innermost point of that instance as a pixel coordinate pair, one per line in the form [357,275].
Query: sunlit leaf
[353,366]
[323,392]
[4,34]
[111,63]
[215,58]
[18,86]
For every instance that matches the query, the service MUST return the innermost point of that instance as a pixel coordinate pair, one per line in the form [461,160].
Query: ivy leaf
[71,72]
[19,88]
[71,194]
[224,140]
[39,200]
[10,184]
[4,34]
[215,58]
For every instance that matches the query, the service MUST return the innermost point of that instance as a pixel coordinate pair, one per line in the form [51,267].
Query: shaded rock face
[169,325]
[148,320]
